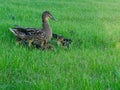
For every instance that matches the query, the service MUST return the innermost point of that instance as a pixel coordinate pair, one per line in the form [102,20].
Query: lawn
[91,63]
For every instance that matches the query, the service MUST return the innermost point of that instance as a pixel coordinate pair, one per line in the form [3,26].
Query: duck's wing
[21,32]
[39,35]
[26,30]
[18,33]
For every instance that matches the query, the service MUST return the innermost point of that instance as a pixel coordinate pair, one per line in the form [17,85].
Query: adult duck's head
[47,15]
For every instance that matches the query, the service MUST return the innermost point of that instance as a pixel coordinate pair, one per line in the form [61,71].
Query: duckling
[62,41]
[48,47]
[35,34]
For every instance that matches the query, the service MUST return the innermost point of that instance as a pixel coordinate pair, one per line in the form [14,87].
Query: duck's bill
[53,18]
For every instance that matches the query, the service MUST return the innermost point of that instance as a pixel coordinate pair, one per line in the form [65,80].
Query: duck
[35,35]
[61,40]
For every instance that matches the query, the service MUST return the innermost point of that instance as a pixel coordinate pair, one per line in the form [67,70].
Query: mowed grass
[91,63]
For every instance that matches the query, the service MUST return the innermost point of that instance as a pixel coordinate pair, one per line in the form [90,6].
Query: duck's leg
[30,42]
[43,42]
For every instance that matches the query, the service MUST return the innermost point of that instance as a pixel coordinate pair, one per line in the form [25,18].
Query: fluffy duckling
[62,41]
[48,47]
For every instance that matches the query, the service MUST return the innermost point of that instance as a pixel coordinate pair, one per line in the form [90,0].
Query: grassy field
[91,63]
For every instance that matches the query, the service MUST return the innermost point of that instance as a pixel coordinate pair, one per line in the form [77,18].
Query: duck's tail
[17,33]
[14,31]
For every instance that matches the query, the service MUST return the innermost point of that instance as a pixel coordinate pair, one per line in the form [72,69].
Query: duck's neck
[45,25]
[46,28]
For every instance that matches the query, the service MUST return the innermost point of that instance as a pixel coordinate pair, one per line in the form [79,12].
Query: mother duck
[35,35]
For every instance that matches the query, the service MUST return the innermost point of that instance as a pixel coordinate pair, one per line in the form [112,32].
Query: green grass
[93,64]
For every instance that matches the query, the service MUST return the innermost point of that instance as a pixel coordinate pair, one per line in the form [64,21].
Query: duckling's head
[67,42]
[60,38]
[47,15]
